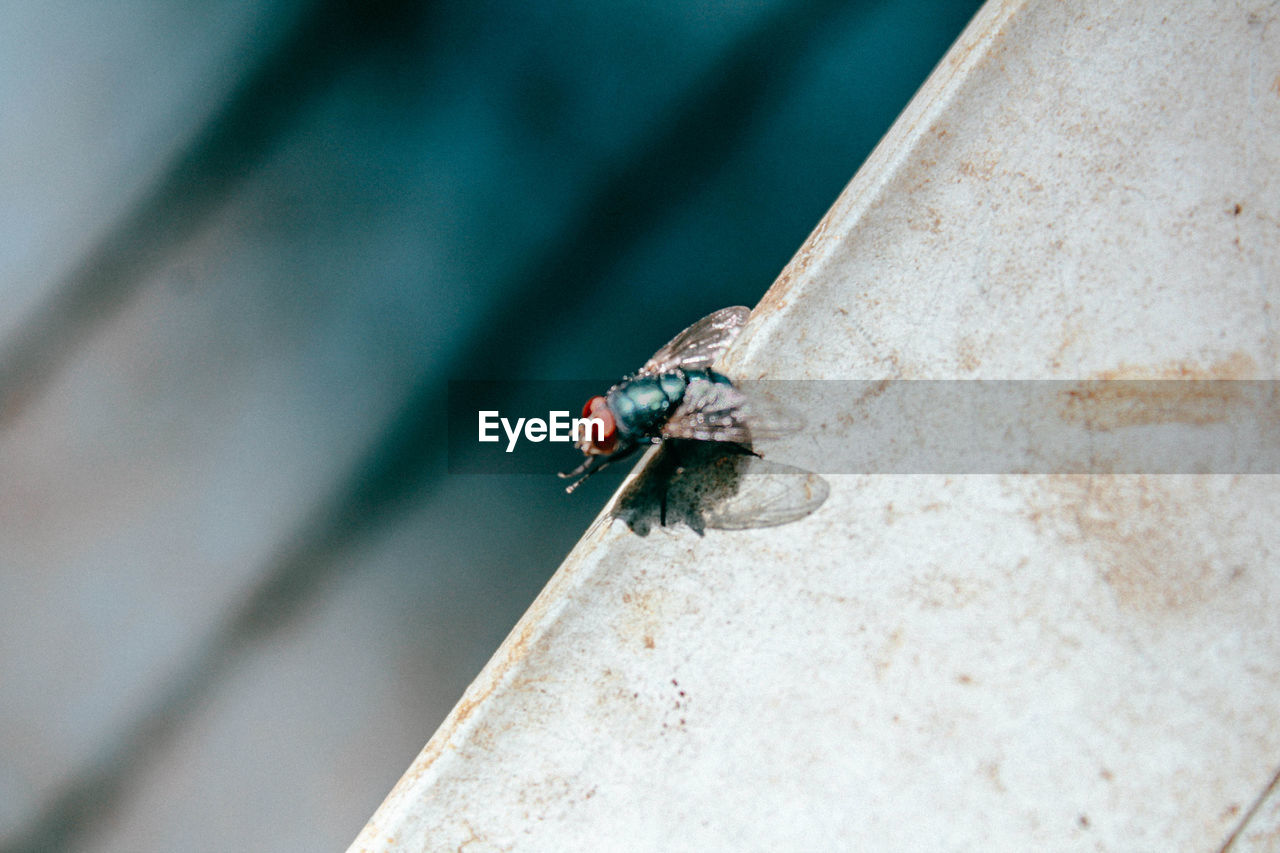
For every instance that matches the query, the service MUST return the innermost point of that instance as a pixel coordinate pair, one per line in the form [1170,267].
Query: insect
[675,394]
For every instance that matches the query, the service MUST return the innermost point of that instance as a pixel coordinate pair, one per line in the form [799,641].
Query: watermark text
[557,427]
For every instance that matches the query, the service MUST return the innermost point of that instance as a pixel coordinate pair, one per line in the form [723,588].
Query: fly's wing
[768,494]
[714,487]
[697,347]
[714,411]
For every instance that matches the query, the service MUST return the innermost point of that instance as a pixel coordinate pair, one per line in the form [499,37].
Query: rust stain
[472,838]
[640,621]
[516,650]
[969,359]
[1150,540]
[936,590]
[889,649]
[495,675]
[1108,407]
[1033,183]
[775,298]
[1260,835]
[978,171]
[1238,365]
[515,653]
[927,220]
[872,390]
[992,772]
[1264,839]
[551,797]
[959,54]
[1135,396]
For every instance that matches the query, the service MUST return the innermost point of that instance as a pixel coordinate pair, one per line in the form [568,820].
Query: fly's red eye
[605,439]
[599,409]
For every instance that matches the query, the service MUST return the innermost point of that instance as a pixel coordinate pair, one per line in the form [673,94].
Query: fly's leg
[591,465]
[670,467]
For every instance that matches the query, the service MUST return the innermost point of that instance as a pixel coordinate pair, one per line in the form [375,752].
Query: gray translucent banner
[953,427]
[1008,426]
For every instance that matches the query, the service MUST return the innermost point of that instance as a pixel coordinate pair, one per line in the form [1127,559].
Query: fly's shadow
[717,485]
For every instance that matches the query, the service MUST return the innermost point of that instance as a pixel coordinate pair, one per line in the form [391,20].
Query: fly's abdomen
[691,376]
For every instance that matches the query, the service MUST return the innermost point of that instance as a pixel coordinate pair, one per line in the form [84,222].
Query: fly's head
[600,434]
[599,440]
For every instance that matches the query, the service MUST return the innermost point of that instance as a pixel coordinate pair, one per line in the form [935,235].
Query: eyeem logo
[558,427]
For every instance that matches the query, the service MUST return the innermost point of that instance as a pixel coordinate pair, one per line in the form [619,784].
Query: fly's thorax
[641,405]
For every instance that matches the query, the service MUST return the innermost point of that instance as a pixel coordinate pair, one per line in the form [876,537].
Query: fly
[675,394]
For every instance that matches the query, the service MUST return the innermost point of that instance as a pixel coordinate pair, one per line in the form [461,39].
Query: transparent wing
[712,411]
[767,494]
[707,486]
[697,347]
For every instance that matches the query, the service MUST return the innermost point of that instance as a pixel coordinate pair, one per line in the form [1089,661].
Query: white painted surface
[947,663]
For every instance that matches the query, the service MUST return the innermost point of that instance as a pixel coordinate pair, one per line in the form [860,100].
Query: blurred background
[243,247]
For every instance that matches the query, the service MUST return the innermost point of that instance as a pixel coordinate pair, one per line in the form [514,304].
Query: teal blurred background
[243,248]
